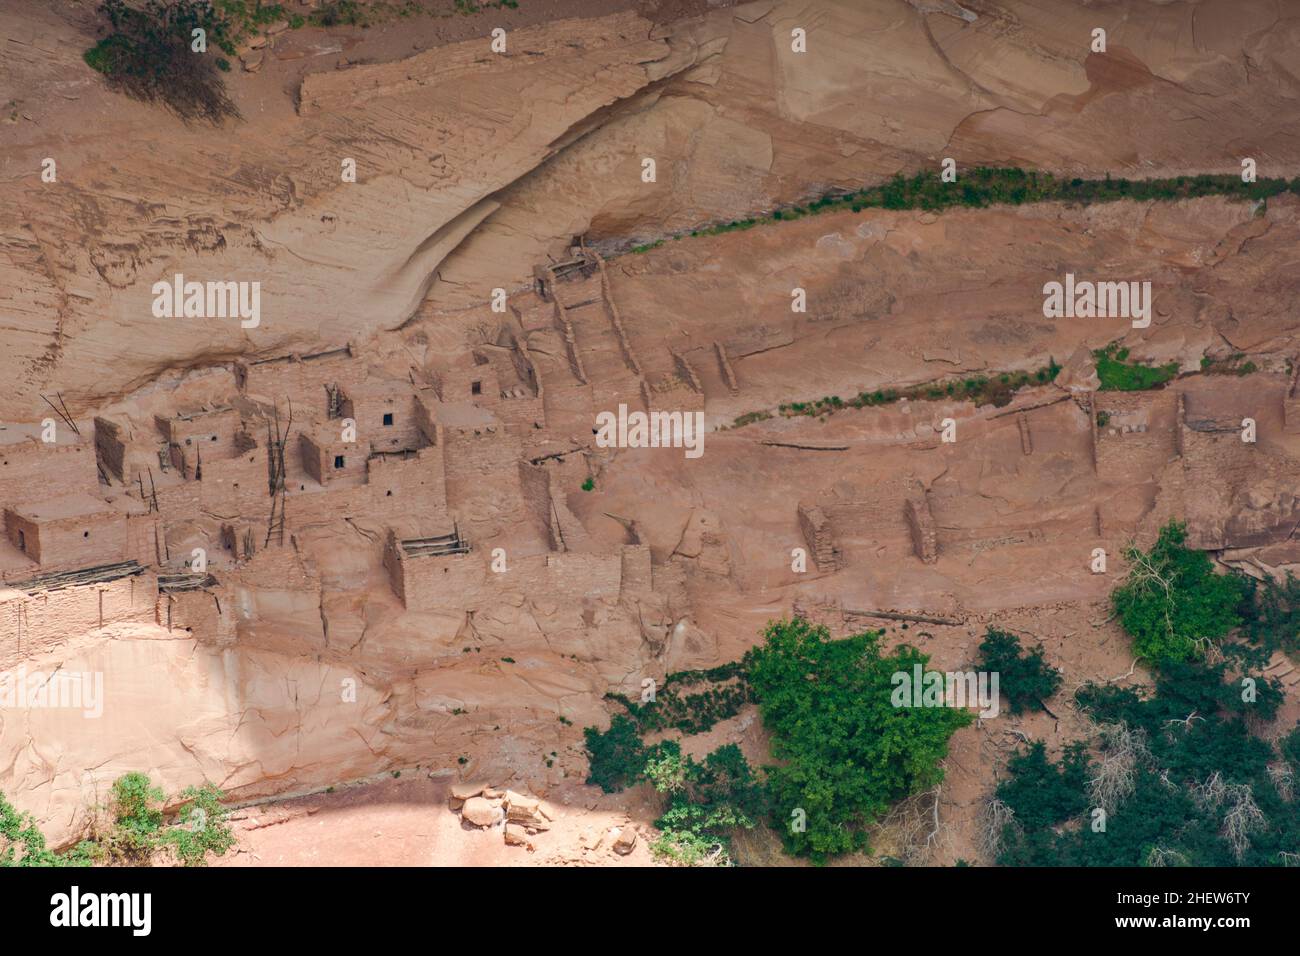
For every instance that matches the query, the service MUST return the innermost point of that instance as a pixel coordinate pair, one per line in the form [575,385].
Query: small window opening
[388,418]
[338,461]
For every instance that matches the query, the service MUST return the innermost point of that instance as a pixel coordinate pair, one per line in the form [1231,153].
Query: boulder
[463,791]
[517,836]
[625,842]
[480,812]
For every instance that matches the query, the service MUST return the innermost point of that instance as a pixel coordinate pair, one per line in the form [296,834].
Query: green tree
[1180,776]
[1025,679]
[845,753]
[1173,603]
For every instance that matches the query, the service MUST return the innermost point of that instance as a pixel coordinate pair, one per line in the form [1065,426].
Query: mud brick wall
[281,565]
[458,385]
[179,502]
[213,435]
[686,372]
[208,616]
[577,576]
[816,528]
[369,407]
[474,454]
[237,485]
[75,542]
[543,495]
[303,382]
[680,398]
[110,449]
[1126,454]
[521,411]
[42,622]
[408,485]
[920,522]
[317,507]
[535,485]
[426,405]
[525,368]
[451,582]
[35,471]
[724,363]
[143,539]
[319,453]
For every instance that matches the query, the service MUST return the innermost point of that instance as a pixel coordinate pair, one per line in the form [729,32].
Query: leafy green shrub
[1179,775]
[617,757]
[1119,375]
[135,805]
[726,692]
[1172,602]
[1026,680]
[202,827]
[705,803]
[845,752]
[1272,618]
[147,55]
[23,844]
[136,832]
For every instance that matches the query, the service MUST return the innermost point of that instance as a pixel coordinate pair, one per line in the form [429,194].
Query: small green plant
[983,186]
[1117,374]
[1024,679]
[202,827]
[589,484]
[980,390]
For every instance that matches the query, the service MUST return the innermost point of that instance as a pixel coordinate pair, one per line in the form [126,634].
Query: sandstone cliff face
[309,663]
[473,165]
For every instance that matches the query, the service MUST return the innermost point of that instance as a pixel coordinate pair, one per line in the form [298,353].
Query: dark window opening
[22,541]
[85,534]
[338,461]
[388,418]
[476,388]
[214,437]
[388,494]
